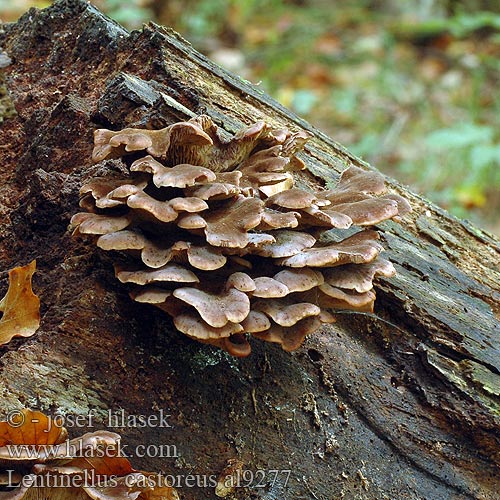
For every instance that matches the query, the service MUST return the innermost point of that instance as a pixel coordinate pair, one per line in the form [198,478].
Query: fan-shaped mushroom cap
[217,310]
[286,313]
[191,221]
[180,176]
[256,240]
[314,216]
[359,248]
[100,189]
[151,295]
[88,223]
[192,325]
[215,191]
[205,257]
[272,219]
[229,228]
[294,198]
[155,142]
[240,281]
[287,243]
[369,211]
[336,298]
[169,273]
[290,339]
[256,322]
[161,210]
[266,287]
[300,280]
[358,277]
[359,180]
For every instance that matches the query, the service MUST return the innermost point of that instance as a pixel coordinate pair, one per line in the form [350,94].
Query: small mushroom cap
[192,325]
[188,204]
[358,277]
[160,210]
[290,339]
[205,258]
[404,206]
[363,181]
[217,310]
[269,288]
[315,217]
[122,240]
[286,314]
[228,227]
[287,243]
[300,280]
[100,187]
[180,176]
[88,223]
[151,295]
[257,240]
[272,219]
[368,212]
[240,281]
[335,298]
[294,198]
[237,345]
[359,248]
[256,322]
[172,273]
[191,221]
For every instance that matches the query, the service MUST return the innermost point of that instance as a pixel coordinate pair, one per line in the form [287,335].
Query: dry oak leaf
[20,306]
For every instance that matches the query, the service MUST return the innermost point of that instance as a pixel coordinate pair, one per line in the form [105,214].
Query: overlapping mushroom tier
[217,236]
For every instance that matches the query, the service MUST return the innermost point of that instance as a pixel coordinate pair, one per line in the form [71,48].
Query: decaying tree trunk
[405,405]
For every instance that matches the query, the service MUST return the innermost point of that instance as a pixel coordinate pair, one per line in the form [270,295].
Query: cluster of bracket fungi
[217,235]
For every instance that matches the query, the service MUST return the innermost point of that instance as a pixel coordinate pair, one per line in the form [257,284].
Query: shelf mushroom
[215,233]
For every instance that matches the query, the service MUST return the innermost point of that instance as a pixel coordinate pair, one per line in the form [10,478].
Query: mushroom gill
[215,233]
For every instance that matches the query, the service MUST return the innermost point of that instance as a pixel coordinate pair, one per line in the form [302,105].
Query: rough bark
[401,405]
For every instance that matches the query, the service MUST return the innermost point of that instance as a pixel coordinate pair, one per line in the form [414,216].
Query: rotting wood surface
[406,406]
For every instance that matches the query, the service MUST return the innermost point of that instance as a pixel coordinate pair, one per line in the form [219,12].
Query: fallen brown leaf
[20,306]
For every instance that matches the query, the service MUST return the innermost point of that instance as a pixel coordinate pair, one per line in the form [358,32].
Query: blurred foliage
[409,86]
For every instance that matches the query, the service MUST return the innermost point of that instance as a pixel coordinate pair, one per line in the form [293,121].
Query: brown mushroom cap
[359,248]
[335,298]
[229,228]
[369,211]
[155,142]
[294,198]
[217,310]
[192,325]
[290,339]
[286,244]
[358,277]
[256,322]
[272,219]
[300,280]
[169,273]
[180,176]
[285,313]
[88,223]
[266,287]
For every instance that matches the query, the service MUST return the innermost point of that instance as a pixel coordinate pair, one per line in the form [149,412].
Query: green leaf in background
[459,136]
[303,101]
[482,155]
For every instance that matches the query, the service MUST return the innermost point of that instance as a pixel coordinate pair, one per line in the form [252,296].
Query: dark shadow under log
[401,405]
